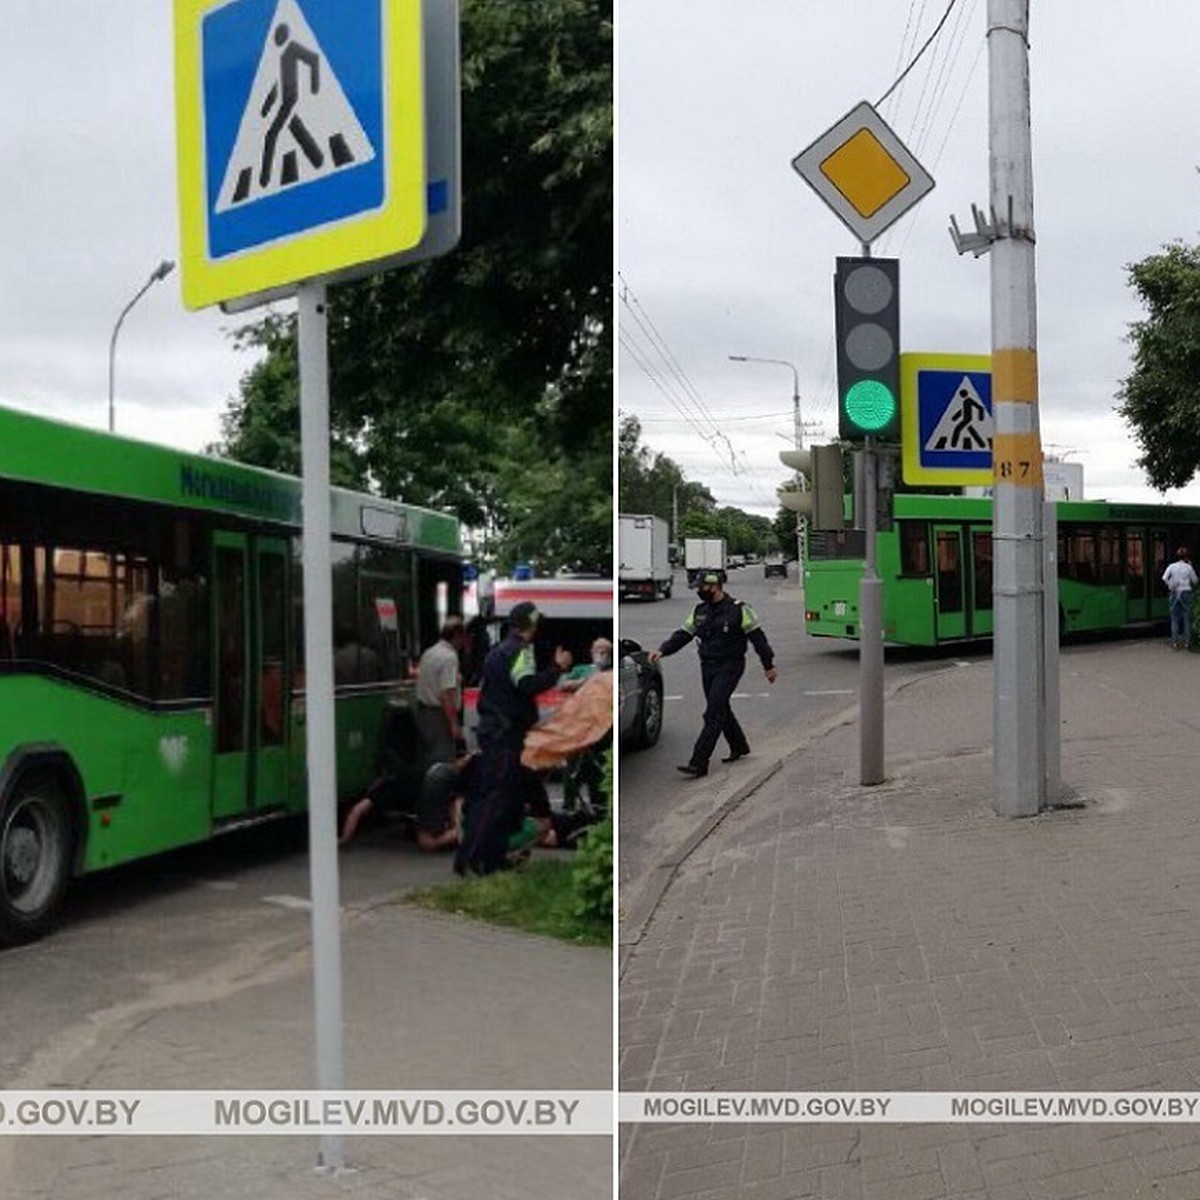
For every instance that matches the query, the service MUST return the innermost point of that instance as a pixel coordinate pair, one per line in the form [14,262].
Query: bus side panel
[358,724]
[1091,606]
[149,770]
[831,597]
[908,611]
[358,721]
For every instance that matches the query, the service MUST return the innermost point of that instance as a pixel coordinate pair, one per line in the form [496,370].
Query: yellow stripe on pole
[1017,459]
[1014,376]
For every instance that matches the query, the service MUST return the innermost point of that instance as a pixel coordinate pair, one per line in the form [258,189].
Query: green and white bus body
[151,648]
[936,563]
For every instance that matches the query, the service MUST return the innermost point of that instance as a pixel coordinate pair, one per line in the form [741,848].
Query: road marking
[295,902]
[754,695]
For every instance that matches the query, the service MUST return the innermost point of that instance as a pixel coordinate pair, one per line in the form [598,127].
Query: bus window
[231,647]
[981,549]
[950,598]
[1078,556]
[1135,565]
[1160,559]
[350,662]
[1108,543]
[272,577]
[386,617]
[914,547]
[437,577]
[96,615]
[10,599]
[184,658]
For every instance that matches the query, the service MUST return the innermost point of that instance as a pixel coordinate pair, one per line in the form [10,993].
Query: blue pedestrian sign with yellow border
[946,412]
[301,140]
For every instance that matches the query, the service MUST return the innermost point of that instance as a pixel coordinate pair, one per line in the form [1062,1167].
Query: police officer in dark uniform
[722,626]
[507,709]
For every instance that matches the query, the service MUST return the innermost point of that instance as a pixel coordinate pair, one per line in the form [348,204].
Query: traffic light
[866,308]
[822,503]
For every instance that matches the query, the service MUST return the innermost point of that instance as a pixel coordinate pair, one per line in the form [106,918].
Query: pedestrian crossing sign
[301,140]
[946,419]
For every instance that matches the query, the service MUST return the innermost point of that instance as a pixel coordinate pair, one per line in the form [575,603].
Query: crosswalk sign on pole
[301,140]
[297,124]
[946,417]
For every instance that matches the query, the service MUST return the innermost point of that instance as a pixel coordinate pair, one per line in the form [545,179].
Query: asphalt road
[179,921]
[818,679]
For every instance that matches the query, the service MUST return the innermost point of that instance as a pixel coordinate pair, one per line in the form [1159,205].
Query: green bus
[151,648]
[936,566]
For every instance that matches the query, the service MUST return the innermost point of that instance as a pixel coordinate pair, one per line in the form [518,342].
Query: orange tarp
[583,718]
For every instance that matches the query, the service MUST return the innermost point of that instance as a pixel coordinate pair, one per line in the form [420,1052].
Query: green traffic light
[871,405]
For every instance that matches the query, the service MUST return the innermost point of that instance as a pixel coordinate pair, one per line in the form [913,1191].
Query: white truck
[644,557]
[703,554]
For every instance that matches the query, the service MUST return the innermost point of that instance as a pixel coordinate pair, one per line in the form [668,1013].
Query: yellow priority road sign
[301,140]
[862,170]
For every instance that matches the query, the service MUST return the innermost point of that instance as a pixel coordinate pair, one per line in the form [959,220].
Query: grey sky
[89,209]
[727,251]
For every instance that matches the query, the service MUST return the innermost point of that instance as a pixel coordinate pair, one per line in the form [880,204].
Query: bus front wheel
[35,857]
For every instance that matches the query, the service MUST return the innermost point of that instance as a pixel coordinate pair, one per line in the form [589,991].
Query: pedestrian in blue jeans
[1180,578]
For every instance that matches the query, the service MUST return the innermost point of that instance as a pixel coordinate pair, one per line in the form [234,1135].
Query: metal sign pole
[870,638]
[318,674]
[870,627]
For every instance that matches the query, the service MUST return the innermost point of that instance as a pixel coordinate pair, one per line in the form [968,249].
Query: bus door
[1160,555]
[1137,593]
[273,685]
[250,685]
[950,619]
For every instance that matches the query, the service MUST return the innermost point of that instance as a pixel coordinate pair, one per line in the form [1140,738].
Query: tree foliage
[651,482]
[482,381]
[1161,398]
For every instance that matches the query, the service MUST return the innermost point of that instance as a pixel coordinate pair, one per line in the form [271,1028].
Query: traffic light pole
[870,629]
[870,637]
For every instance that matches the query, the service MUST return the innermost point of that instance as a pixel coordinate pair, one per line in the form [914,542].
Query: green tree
[783,528]
[648,482]
[1161,398]
[482,381]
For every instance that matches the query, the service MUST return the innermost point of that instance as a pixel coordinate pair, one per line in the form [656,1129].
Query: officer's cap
[712,577]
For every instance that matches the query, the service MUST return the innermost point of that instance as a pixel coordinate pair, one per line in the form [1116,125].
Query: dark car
[640,697]
[775,564]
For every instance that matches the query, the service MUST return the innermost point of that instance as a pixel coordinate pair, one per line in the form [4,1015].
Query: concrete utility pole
[1019,667]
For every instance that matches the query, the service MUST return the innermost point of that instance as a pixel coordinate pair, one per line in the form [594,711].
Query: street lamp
[782,362]
[163,269]
[798,436]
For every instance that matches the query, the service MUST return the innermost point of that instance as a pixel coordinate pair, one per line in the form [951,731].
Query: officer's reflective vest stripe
[522,665]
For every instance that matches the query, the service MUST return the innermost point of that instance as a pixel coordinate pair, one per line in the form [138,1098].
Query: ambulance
[575,610]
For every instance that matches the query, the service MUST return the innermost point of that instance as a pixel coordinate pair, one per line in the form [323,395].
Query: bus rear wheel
[35,857]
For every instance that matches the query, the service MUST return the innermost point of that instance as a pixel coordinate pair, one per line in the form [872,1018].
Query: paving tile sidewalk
[831,937]
[431,1002]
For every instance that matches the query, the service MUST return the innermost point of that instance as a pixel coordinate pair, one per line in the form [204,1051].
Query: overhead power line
[917,57]
[649,350]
